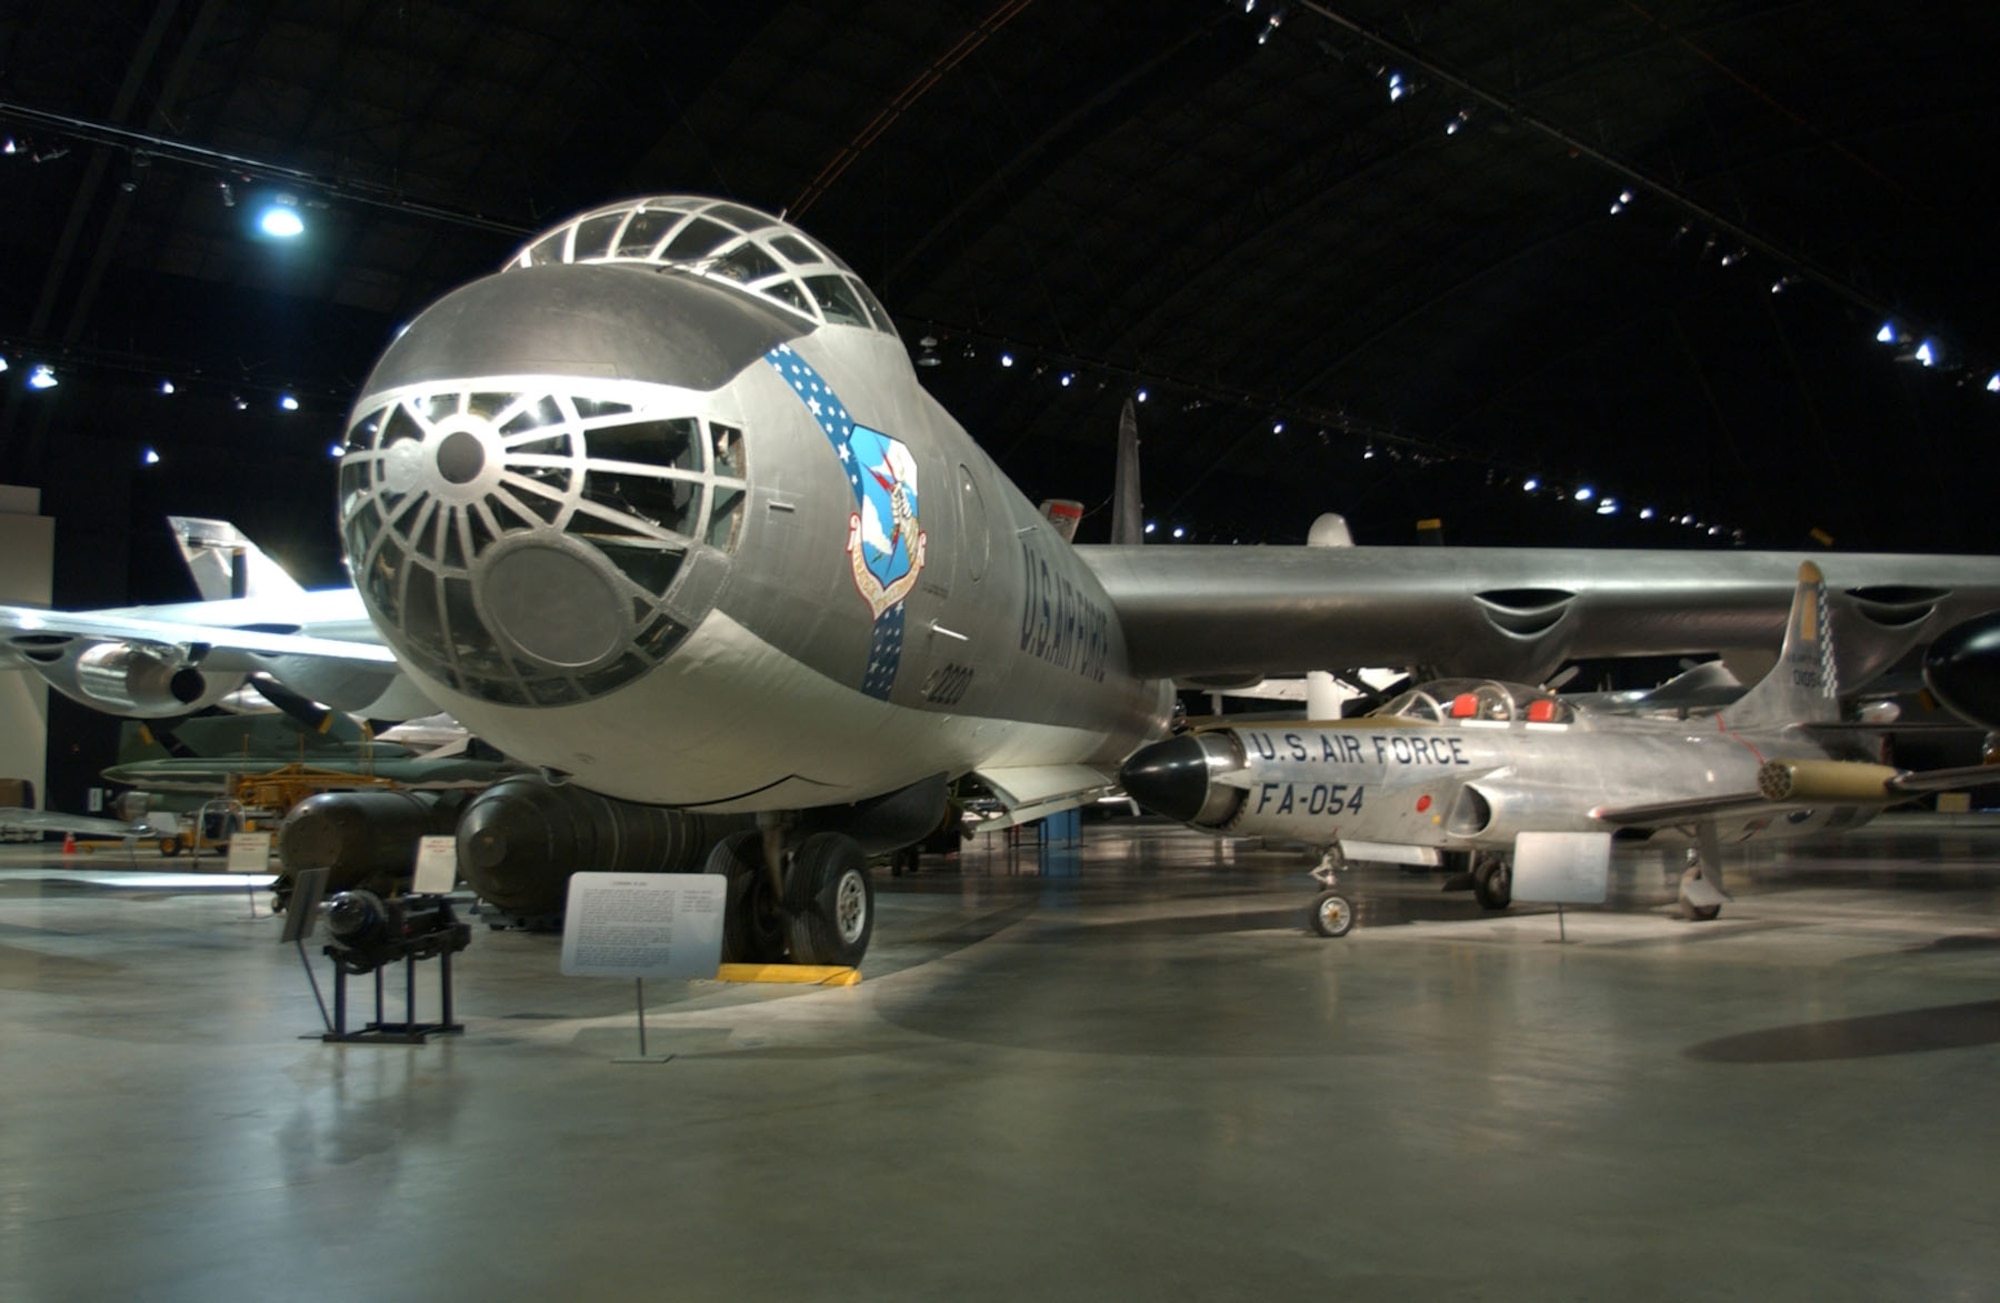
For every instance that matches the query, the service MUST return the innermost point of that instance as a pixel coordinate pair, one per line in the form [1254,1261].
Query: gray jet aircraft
[1452,773]
[661,508]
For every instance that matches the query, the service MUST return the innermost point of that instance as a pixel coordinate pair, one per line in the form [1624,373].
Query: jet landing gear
[1332,913]
[811,903]
[1492,880]
[1702,896]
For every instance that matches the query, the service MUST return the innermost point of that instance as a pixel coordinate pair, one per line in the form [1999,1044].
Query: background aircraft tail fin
[225,563]
[1127,527]
[1802,688]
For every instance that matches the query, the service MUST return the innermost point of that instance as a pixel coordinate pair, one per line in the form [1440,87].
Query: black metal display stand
[407,1032]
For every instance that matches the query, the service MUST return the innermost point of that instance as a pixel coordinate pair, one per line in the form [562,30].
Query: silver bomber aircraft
[1453,772]
[661,508]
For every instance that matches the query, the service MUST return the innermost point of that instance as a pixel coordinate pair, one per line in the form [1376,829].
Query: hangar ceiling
[1363,259]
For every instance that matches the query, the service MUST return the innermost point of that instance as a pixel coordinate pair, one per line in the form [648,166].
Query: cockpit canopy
[716,240]
[1446,701]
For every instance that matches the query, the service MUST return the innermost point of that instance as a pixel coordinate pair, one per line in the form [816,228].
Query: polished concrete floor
[1124,1072]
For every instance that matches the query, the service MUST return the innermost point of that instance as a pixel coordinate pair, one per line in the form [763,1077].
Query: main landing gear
[1332,914]
[1702,896]
[809,901]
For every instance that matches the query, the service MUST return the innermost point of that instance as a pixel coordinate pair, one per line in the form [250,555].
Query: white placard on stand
[437,865]
[1562,868]
[249,852]
[643,925]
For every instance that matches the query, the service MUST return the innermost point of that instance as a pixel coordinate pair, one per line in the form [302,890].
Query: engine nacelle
[139,680]
[1962,670]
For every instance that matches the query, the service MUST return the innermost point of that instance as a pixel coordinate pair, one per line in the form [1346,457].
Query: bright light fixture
[1585,494]
[1006,359]
[1645,513]
[166,386]
[280,219]
[335,450]
[150,457]
[1149,527]
[1926,354]
[42,376]
[1886,335]
[1530,484]
[1142,395]
[1992,381]
[1178,531]
[288,403]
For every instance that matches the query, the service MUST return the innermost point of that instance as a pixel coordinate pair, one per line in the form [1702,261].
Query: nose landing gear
[1332,914]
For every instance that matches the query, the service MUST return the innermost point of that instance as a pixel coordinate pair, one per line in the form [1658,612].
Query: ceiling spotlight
[1368,452]
[1624,196]
[280,219]
[228,193]
[1396,87]
[11,147]
[1178,531]
[42,376]
[1066,378]
[1887,335]
[1277,427]
[166,386]
[149,457]
[3,361]
[1608,507]
[928,341]
[236,401]
[1530,484]
[1149,527]
[928,358]
[1617,208]
[1142,393]
[335,450]
[1585,494]
[1645,513]
[1270,25]
[1006,359]
[1714,531]
[288,403]
[1992,381]
[1926,354]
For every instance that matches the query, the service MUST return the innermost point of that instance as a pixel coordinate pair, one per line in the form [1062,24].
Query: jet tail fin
[1127,526]
[225,563]
[1802,688]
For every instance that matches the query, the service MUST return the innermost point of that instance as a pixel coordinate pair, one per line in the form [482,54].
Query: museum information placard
[643,925]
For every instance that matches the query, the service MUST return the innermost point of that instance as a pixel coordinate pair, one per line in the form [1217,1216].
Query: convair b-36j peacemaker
[661,509]
[1462,768]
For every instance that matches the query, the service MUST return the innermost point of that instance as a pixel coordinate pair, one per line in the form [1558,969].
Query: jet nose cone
[1169,778]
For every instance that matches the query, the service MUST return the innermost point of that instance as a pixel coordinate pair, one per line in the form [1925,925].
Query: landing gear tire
[1698,913]
[753,930]
[829,902]
[1332,915]
[1493,883]
[170,846]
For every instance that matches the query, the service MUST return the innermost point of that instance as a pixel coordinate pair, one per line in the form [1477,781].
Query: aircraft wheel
[1704,913]
[170,846]
[1332,915]
[753,931]
[829,902]
[1493,882]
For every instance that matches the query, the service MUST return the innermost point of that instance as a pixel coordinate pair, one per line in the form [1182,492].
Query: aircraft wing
[1514,613]
[55,821]
[1666,814]
[23,630]
[324,651]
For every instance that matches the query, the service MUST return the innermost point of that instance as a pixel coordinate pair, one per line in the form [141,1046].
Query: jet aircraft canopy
[718,241]
[1463,700]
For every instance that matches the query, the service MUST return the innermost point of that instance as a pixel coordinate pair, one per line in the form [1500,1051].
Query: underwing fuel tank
[1962,670]
[520,840]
